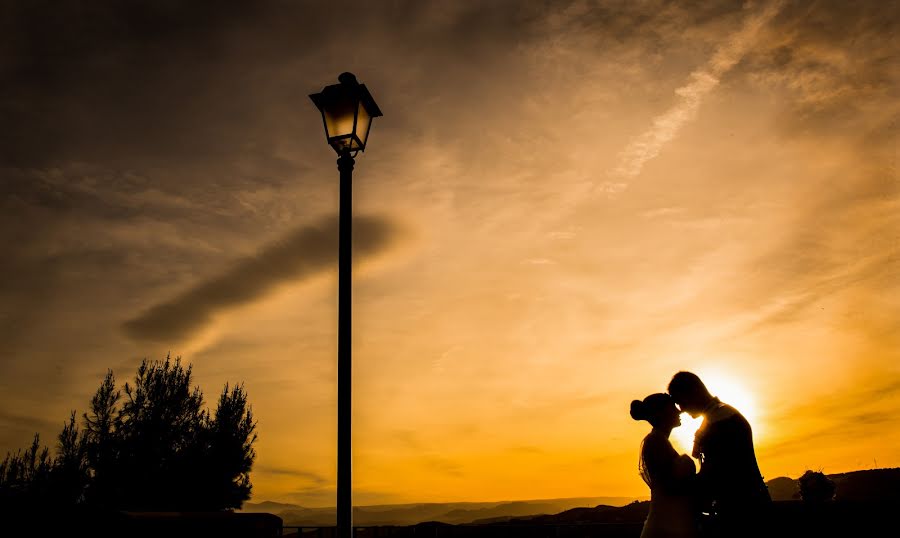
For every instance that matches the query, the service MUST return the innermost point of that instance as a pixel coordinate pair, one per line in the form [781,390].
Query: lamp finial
[348,78]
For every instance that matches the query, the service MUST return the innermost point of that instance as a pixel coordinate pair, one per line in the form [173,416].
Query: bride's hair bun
[653,408]
[638,410]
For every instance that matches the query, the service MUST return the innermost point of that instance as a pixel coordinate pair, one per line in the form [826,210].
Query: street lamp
[347,111]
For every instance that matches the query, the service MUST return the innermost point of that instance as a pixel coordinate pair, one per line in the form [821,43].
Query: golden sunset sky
[564,204]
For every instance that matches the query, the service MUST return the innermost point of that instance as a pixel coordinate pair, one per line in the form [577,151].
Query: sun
[730,390]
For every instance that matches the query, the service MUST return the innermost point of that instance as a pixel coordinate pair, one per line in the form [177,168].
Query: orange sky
[562,206]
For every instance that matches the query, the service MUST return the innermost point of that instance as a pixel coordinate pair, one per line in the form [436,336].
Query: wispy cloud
[308,476]
[854,414]
[23,426]
[664,127]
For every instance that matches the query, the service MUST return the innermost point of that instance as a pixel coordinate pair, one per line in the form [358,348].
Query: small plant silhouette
[816,488]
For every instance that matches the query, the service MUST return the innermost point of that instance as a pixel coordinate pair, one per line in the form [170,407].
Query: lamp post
[347,110]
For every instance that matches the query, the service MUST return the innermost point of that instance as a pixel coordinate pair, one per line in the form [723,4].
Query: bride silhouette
[669,474]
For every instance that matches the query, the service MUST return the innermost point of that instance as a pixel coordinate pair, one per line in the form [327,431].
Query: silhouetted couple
[728,491]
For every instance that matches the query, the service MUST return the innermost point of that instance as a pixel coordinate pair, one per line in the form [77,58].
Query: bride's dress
[669,476]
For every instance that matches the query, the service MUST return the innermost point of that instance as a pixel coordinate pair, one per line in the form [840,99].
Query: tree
[70,473]
[31,477]
[157,448]
[25,476]
[101,429]
[161,439]
[230,438]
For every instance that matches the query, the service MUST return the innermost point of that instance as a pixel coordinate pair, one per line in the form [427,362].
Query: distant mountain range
[410,514]
[881,485]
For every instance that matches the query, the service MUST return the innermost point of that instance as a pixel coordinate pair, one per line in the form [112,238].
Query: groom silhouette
[729,483]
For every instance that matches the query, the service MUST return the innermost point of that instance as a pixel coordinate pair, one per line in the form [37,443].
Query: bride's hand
[684,466]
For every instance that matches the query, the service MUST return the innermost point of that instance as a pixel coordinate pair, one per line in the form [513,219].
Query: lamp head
[347,110]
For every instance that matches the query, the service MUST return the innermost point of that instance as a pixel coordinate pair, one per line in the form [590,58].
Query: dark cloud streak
[299,255]
[315,478]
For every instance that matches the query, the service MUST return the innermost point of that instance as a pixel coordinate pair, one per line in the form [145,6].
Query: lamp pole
[347,110]
[344,367]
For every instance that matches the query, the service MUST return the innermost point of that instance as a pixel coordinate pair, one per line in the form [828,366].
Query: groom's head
[689,393]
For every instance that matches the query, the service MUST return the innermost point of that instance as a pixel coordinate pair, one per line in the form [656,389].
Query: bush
[816,488]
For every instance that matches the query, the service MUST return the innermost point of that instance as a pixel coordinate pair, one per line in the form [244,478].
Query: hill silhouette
[865,502]
[635,512]
[872,487]
[856,486]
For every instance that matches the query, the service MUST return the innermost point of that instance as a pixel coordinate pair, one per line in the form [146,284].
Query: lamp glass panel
[339,117]
[363,122]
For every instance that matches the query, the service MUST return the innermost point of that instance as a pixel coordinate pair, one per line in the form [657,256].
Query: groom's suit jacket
[729,474]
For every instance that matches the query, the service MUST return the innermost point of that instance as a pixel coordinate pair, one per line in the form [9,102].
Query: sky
[564,204]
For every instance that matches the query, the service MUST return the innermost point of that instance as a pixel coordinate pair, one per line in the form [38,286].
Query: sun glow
[731,391]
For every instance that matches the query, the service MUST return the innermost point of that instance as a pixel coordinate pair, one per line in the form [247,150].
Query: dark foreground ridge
[858,486]
[864,503]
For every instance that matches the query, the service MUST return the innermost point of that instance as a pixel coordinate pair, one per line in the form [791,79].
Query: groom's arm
[697,452]
[703,483]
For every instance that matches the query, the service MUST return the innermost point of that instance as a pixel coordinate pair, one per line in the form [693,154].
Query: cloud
[833,62]
[322,498]
[412,443]
[526,449]
[301,254]
[442,465]
[310,476]
[850,413]
[21,428]
[702,81]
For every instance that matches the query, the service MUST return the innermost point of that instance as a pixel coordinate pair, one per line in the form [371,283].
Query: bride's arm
[683,467]
[665,466]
